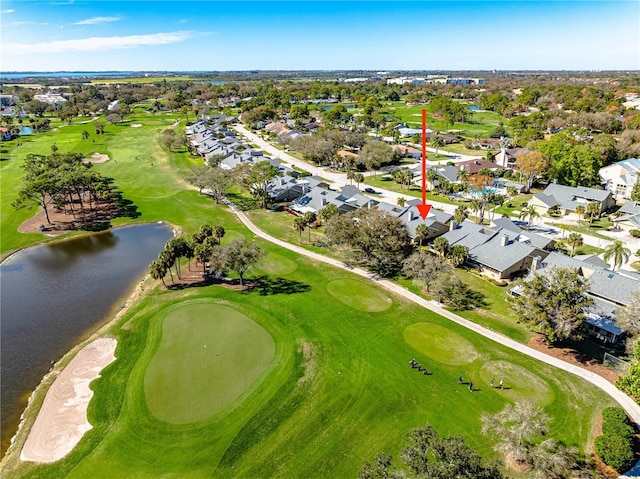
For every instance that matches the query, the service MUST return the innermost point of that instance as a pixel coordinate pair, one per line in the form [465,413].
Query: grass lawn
[337,391]
[331,390]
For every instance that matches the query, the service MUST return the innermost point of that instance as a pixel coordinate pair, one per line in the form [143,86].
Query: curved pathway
[625,401]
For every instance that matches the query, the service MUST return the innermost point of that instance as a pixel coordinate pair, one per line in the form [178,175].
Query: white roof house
[620,177]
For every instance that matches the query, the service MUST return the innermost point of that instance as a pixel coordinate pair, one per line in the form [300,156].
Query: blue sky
[304,35]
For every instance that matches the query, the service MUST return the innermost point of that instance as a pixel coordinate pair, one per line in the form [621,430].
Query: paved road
[340,179]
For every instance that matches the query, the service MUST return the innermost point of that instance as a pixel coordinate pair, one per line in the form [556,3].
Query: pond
[55,295]
[25,130]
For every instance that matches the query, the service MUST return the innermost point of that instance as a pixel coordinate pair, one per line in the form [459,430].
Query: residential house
[542,244]
[507,157]
[437,221]
[317,198]
[289,188]
[6,134]
[407,151]
[474,166]
[447,172]
[495,251]
[567,198]
[629,218]
[609,291]
[620,177]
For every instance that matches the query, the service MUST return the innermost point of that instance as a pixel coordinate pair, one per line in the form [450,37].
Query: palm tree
[300,224]
[309,217]
[351,175]
[359,178]
[85,134]
[580,210]
[437,142]
[458,255]
[593,209]
[422,232]
[574,240]
[432,174]
[618,252]
[401,201]
[157,270]
[531,213]
[461,213]
[441,245]
[219,232]
[476,205]
[462,175]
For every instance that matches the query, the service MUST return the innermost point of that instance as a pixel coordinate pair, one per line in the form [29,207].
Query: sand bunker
[136,125]
[62,420]
[96,158]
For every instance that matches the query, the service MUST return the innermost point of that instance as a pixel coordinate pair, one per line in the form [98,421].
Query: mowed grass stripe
[209,355]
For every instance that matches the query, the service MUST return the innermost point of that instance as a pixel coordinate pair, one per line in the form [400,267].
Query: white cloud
[10,10]
[96,43]
[94,20]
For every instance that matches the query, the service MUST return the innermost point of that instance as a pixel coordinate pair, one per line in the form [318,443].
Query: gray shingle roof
[570,196]
[631,208]
[498,257]
[613,286]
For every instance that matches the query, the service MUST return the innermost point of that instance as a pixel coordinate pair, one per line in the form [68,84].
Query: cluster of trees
[450,111]
[436,274]
[380,242]
[373,238]
[615,445]
[553,303]
[217,181]
[172,139]
[519,432]
[61,180]
[322,148]
[205,246]
[431,455]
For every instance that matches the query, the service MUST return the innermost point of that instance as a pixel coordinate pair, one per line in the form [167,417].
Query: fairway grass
[208,357]
[337,389]
[440,344]
[359,295]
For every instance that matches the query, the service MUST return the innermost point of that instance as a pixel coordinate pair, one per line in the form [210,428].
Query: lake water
[54,296]
[18,75]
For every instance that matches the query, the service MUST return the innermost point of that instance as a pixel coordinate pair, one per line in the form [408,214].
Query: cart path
[632,409]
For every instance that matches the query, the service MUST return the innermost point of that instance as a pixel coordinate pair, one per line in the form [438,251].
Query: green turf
[338,389]
[440,344]
[358,295]
[208,357]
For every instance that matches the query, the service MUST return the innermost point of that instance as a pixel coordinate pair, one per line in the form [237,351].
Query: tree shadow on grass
[268,286]
[242,202]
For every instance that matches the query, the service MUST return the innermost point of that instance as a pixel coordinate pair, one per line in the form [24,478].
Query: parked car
[370,190]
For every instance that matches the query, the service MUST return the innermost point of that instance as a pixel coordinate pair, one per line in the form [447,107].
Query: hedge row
[615,446]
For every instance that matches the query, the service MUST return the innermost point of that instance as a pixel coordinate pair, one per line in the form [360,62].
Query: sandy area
[62,420]
[96,158]
[136,125]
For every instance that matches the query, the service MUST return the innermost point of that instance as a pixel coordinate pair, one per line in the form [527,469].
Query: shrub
[635,233]
[615,446]
[615,452]
[614,414]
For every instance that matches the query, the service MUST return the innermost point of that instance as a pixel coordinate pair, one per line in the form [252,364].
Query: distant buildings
[435,79]
[620,177]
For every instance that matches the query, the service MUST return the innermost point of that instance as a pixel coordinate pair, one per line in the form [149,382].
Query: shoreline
[37,396]
[62,420]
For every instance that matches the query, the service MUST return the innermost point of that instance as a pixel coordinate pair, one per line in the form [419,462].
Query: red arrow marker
[424,208]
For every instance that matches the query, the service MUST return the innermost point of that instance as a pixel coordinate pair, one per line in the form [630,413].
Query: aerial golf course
[305,375]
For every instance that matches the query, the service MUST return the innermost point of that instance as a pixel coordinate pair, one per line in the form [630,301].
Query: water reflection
[54,295]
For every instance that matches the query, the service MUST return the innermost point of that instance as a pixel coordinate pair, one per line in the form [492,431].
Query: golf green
[440,343]
[209,355]
[359,295]
[519,383]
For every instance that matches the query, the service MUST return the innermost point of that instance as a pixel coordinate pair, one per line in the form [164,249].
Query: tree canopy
[553,303]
